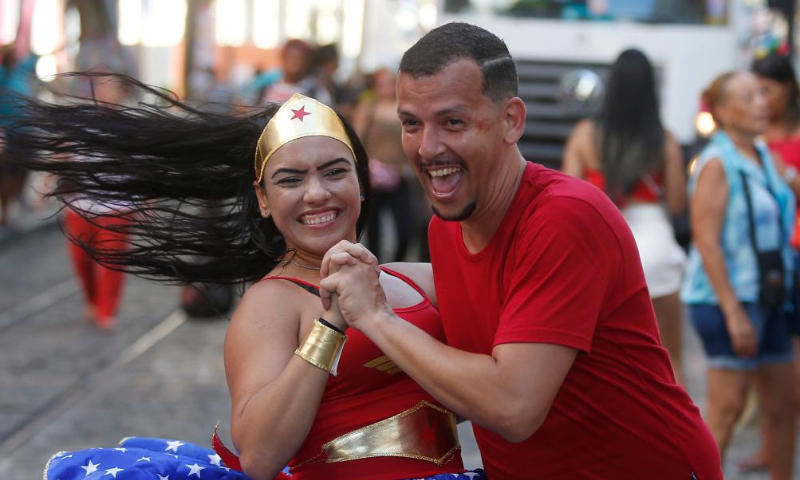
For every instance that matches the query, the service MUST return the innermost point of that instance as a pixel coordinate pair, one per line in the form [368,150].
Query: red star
[299,114]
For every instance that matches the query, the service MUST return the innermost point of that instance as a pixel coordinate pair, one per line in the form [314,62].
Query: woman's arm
[275,394]
[674,175]
[575,152]
[707,218]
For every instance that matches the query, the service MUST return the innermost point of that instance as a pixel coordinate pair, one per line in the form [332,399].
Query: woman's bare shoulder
[583,132]
[711,173]
[670,141]
[585,125]
[580,152]
[271,300]
[420,273]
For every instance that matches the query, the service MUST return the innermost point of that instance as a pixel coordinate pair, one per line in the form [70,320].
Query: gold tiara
[298,117]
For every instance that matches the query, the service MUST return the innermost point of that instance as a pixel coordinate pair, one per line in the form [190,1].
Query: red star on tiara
[300,113]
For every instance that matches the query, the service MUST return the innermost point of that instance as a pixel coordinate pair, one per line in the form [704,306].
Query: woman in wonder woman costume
[293,181]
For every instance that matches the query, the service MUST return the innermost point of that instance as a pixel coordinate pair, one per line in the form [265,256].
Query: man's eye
[454,122]
[409,123]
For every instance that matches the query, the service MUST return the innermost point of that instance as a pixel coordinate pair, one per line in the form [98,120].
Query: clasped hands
[350,287]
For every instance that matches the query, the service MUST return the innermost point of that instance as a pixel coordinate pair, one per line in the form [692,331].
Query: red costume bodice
[369,388]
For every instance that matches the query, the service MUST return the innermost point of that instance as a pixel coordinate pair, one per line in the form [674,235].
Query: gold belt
[423,432]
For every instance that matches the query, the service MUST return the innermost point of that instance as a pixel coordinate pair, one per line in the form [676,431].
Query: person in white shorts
[626,152]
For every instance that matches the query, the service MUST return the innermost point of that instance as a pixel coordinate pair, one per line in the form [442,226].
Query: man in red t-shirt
[553,353]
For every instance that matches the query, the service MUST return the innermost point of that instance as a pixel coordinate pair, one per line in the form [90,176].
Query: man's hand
[352,272]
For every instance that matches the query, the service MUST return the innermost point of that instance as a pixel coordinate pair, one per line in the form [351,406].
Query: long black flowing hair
[630,135]
[186,174]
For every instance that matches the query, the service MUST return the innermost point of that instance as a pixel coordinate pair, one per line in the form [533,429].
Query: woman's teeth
[442,172]
[318,218]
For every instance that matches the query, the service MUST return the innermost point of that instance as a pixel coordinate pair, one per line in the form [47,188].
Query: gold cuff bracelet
[322,348]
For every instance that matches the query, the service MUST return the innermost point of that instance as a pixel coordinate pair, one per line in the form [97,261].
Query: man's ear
[514,115]
[263,203]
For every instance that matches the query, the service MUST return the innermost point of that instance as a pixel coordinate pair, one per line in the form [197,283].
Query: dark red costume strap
[309,287]
[406,279]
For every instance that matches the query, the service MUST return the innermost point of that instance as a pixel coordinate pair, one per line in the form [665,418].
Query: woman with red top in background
[626,152]
[290,183]
[779,85]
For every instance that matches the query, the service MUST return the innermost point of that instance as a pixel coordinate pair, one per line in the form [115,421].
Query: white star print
[174,446]
[215,460]
[123,450]
[195,470]
[90,467]
[143,459]
[165,477]
[471,475]
[113,471]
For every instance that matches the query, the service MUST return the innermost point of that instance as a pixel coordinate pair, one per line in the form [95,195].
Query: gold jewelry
[286,262]
[423,432]
[298,117]
[322,348]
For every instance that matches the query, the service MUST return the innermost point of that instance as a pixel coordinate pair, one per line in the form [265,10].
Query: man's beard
[461,216]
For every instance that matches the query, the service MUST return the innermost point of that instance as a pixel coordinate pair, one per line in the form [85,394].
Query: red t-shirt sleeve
[566,257]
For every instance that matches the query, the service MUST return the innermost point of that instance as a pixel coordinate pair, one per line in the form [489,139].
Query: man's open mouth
[445,178]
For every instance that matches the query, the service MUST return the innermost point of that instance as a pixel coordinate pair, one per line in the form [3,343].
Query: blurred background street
[66,384]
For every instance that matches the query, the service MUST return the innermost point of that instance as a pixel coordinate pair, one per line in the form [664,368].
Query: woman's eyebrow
[288,170]
[299,171]
[333,162]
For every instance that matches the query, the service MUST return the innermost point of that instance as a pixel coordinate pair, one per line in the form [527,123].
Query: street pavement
[65,385]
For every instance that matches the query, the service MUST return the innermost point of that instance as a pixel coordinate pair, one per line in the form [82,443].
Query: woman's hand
[334,260]
[742,333]
[333,315]
[352,271]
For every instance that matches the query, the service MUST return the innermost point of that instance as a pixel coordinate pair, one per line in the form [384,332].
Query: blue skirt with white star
[140,458]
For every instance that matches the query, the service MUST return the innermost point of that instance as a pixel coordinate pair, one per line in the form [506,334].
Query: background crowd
[737,283]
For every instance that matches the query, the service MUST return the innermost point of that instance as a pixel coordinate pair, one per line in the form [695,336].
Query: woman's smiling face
[310,190]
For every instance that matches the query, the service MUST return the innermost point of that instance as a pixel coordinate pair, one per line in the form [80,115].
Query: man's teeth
[442,172]
[318,219]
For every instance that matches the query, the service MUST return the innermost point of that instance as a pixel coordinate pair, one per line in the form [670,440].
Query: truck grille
[551,117]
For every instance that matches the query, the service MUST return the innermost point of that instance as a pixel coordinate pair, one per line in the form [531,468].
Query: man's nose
[430,145]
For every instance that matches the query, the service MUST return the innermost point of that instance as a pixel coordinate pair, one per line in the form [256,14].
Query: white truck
[555,42]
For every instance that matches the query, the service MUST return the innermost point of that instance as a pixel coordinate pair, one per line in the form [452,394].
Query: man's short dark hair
[457,41]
